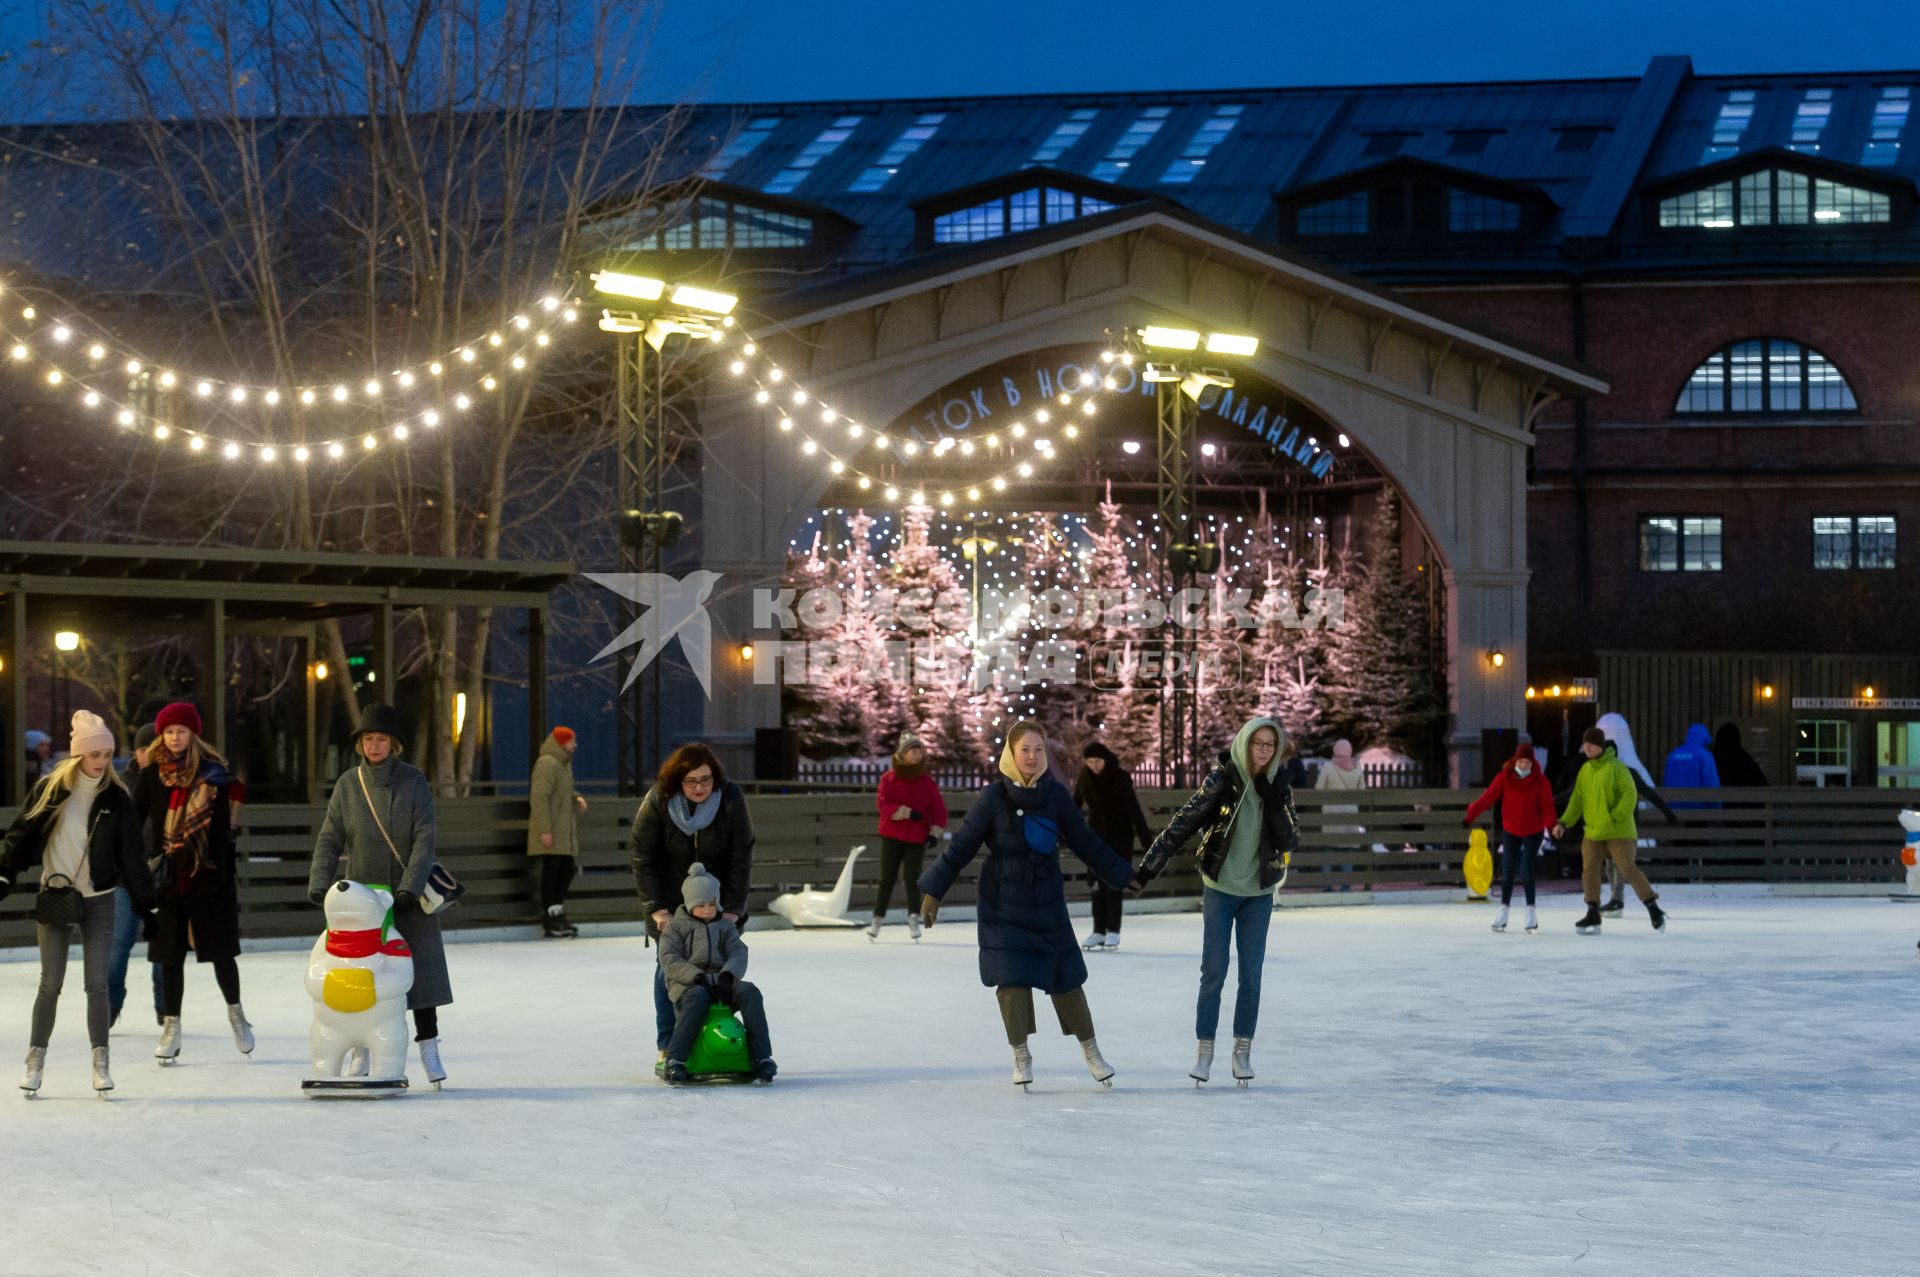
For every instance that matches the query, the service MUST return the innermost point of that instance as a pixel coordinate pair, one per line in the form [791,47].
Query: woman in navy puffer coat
[1026,938]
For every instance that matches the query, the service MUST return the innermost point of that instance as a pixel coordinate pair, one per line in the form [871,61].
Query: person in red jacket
[911,809]
[1526,812]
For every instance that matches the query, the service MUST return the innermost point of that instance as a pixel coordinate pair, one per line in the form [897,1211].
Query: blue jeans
[662,1010]
[1227,917]
[1518,852]
[126,930]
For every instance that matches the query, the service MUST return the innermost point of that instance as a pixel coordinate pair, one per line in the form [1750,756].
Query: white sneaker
[1533,921]
[1096,1065]
[430,1061]
[1243,1060]
[1500,923]
[1098,940]
[1202,1061]
[36,1066]
[102,1080]
[1022,1065]
[242,1031]
[913,925]
[169,1049]
[873,928]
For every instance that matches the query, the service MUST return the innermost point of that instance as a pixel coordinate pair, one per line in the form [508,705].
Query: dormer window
[704,223]
[1014,203]
[1411,199]
[1775,197]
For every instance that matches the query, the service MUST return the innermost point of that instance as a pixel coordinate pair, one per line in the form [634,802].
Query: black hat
[384,719]
[1594,736]
[145,736]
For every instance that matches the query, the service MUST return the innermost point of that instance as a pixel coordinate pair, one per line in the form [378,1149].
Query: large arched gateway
[1444,411]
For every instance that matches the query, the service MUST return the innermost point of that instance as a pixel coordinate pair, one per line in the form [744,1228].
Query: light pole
[1171,360]
[652,313]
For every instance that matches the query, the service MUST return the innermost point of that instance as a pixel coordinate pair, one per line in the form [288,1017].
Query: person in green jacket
[1604,797]
[553,829]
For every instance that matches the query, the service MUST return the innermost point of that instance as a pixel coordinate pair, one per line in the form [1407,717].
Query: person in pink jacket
[1525,798]
[911,811]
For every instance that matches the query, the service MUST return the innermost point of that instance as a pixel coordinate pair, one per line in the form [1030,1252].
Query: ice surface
[1734,1096]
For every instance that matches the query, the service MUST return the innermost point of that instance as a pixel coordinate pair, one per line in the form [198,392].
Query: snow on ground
[1734,1096]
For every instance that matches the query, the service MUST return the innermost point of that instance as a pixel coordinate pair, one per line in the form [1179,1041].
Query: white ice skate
[169,1048]
[1500,922]
[873,928]
[102,1080]
[1113,941]
[36,1066]
[1101,1070]
[1098,940]
[1533,920]
[1202,1070]
[242,1031]
[1022,1065]
[430,1061]
[1243,1060]
[913,926]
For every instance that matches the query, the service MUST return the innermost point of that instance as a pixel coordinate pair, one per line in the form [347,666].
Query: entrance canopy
[210,593]
[1443,409]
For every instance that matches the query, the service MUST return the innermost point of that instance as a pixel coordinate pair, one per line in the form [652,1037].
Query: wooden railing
[1394,838]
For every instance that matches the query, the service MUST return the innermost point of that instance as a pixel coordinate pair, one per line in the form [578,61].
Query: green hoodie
[1604,796]
[1240,872]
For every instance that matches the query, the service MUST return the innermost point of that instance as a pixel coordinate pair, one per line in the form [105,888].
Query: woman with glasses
[693,814]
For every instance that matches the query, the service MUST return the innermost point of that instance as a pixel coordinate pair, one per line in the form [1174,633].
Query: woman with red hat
[1526,812]
[187,797]
[553,829]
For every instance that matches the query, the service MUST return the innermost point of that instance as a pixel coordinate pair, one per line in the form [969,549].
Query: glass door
[1896,750]
[1823,752]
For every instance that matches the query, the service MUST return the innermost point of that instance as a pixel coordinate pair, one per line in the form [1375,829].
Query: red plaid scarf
[183,840]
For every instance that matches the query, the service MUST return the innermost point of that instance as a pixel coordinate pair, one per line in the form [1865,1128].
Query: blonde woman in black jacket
[80,827]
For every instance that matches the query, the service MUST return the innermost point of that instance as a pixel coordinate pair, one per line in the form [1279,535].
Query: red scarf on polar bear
[364,944]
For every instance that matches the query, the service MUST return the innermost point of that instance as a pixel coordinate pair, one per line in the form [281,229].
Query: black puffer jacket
[1209,813]
[662,854]
[115,854]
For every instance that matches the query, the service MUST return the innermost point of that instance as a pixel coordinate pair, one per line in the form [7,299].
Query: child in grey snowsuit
[704,961]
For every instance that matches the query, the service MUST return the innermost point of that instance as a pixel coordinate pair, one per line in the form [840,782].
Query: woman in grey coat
[380,820]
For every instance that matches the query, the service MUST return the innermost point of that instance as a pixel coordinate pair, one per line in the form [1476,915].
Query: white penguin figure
[358,975]
[1910,854]
[809,908]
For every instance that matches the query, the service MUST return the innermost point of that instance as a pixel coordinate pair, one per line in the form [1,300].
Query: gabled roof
[1412,165]
[1023,179]
[683,188]
[1872,179]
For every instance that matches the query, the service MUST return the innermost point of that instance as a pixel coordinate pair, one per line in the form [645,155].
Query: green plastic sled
[719,1052]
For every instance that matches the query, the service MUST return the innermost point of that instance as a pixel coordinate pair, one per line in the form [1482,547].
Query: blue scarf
[689,818]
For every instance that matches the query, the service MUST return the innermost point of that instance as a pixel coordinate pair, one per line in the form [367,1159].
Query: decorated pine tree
[940,707]
[1382,687]
[1058,688]
[1127,697]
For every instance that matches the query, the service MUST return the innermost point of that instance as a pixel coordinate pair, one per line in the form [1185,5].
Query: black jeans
[556,873]
[226,973]
[690,1015]
[1517,855]
[899,860]
[1106,908]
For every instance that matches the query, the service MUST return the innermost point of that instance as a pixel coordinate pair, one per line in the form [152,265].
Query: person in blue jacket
[1026,939]
[1691,765]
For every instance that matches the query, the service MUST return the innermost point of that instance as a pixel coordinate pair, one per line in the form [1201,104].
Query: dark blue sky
[769,50]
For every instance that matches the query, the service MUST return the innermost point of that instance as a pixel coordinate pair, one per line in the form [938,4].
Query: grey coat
[405,803]
[690,948]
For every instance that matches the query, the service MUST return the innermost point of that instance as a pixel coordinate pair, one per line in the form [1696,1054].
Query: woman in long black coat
[1026,938]
[1105,792]
[692,813]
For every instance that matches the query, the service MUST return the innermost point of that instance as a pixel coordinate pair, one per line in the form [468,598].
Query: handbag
[442,888]
[58,903]
[1042,835]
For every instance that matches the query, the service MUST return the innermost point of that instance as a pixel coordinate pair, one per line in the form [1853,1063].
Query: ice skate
[1614,905]
[1589,925]
[169,1048]
[913,926]
[1096,1065]
[1022,1065]
[1113,941]
[873,928]
[1098,940]
[1202,1069]
[242,1031]
[1243,1060]
[1533,920]
[554,925]
[102,1080]
[1500,921]
[36,1065]
[430,1061]
[1656,914]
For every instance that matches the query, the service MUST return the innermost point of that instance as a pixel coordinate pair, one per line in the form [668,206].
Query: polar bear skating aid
[358,975]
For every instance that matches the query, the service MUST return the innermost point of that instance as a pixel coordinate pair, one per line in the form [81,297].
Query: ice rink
[1734,1096]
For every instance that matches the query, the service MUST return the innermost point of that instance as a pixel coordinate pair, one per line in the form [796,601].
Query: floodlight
[1170,338]
[1231,344]
[715,303]
[621,284]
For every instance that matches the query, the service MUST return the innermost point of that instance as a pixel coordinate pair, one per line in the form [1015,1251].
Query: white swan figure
[809,908]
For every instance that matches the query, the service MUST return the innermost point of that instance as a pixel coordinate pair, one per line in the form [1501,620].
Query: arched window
[1011,214]
[1775,197]
[1765,376]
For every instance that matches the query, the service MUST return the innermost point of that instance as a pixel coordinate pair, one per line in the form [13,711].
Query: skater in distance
[1105,792]
[1605,797]
[1026,937]
[913,816]
[554,809]
[1526,813]
[1243,814]
[79,826]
